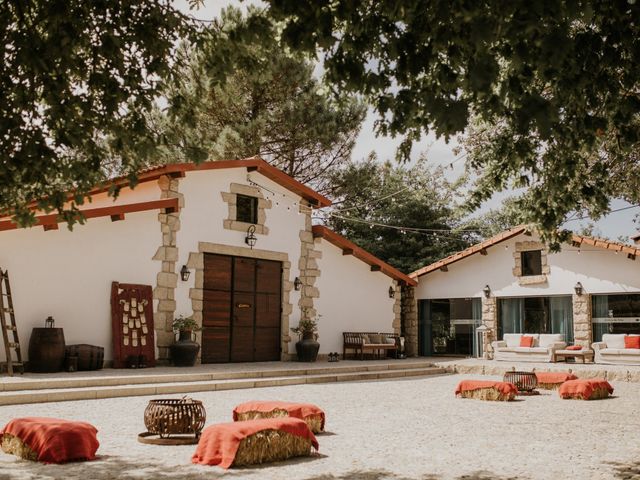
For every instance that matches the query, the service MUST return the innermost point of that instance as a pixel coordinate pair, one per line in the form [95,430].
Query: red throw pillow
[576,347]
[526,341]
[631,342]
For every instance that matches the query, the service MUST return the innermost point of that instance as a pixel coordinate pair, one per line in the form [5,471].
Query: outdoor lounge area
[364,440]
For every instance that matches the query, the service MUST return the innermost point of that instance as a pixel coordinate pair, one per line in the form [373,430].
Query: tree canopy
[77,79]
[556,84]
[404,215]
[239,94]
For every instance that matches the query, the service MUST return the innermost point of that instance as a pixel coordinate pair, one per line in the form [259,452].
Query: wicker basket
[174,416]
[524,381]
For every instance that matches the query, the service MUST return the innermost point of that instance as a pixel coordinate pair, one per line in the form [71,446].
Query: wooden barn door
[242,309]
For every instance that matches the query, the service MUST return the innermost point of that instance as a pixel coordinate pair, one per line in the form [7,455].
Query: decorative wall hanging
[132,324]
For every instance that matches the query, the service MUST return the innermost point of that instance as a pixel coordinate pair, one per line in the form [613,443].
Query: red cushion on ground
[554,377]
[503,387]
[631,342]
[583,387]
[576,347]
[219,444]
[55,440]
[526,341]
[297,410]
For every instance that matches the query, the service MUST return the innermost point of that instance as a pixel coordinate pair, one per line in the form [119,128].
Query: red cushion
[526,341]
[631,342]
[576,347]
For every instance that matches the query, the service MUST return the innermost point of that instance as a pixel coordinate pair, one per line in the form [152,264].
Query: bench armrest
[598,346]
[499,344]
[558,345]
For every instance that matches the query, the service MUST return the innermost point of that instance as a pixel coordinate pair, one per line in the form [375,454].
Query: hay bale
[271,446]
[490,394]
[597,394]
[549,386]
[12,445]
[314,422]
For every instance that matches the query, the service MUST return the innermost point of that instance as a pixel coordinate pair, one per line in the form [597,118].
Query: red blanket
[219,443]
[583,387]
[297,410]
[554,377]
[503,387]
[55,440]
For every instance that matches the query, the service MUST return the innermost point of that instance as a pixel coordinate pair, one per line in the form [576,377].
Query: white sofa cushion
[512,339]
[630,351]
[612,351]
[548,339]
[614,340]
[530,349]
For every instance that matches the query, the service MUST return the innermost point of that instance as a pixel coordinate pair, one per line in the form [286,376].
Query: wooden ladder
[6,307]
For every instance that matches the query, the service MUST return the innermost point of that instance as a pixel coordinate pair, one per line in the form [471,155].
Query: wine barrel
[90,357]
[46,350]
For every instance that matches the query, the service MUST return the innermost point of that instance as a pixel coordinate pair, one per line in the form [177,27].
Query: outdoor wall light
[297,283]
[578,288]
[487,291]
[184,273]
[251,239]
[392,292]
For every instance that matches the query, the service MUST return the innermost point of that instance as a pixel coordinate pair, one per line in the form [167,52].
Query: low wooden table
[584,355]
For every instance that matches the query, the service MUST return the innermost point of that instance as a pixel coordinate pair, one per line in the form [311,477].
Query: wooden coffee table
[584,355]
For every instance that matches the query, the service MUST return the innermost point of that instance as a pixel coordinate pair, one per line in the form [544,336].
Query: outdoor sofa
[611,350]
[543,349]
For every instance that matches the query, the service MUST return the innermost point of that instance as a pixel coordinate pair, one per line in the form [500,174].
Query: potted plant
[184,351]
[307,345]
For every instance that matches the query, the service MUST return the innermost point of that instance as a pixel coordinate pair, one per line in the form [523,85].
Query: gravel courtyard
[401,429]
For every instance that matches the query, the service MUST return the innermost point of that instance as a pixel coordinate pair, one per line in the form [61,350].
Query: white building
[512,284]
[197,219]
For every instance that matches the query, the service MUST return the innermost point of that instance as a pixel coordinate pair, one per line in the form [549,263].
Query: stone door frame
[196,262]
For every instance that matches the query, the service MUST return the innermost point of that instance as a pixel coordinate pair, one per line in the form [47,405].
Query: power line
[628,207]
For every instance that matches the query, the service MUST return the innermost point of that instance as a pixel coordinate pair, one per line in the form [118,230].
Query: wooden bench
[359,342]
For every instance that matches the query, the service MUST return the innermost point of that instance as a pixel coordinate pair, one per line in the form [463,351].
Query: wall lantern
[297,283]
[184,273]
[578,288]
[487,291]
[392,292]
[251,239]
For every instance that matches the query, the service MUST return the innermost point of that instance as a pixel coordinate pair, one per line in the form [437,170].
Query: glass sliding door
[447,326]
[511,311]
[561,312]
[618,313]
[536,315]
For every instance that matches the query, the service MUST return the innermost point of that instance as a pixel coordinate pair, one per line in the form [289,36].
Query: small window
[531,262]
[246,209]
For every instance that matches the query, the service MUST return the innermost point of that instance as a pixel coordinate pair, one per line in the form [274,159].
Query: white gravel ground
[399,429]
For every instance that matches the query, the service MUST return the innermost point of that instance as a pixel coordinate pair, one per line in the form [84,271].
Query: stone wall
[582,320]
[167,278]
[409,320]
[308,266]
[490,320]
[397,308]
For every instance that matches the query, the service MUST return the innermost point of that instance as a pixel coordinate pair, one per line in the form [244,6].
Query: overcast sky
[615,225]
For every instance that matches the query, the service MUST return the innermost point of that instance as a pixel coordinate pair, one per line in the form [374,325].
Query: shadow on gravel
[386,475]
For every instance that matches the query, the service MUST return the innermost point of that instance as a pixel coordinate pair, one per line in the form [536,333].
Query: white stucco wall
[599,271]
[352,298]
[68,274]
